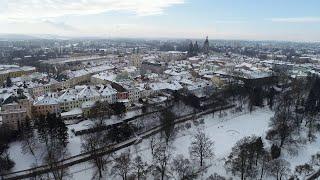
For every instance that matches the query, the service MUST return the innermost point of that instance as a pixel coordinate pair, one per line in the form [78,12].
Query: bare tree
[29,146]
[53,159]
[101,110]
[216,176]
[161,158]
[29,142]
[140,168]
[92,143]
[263,161]
[122,165]
[152,143]
[5,161]
[304,170]
[315,159]
[278,168]
[201,147]
[183,168]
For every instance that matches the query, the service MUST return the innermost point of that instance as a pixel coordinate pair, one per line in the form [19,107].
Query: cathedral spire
[206,46]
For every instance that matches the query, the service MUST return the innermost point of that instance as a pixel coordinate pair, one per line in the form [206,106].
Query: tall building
[15,111]
[206,46]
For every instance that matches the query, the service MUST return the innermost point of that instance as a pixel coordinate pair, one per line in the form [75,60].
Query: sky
[293,20]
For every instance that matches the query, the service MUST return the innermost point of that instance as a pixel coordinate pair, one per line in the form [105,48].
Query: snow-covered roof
[88,92]
[72,112]
[107,91]
[46,100]
[106,76]
[165,85]
[88,104]
[68,95]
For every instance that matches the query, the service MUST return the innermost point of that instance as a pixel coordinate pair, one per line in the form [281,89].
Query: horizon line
[69,37]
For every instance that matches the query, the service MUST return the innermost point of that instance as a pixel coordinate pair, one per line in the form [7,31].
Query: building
[45,105]
[108,94]
[136,60]
[88,93]
[11,71]
[15,111]
[153,66]
[68,100]
[72,116]
[74,98]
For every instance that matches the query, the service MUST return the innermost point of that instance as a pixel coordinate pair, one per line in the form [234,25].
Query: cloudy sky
[297,20]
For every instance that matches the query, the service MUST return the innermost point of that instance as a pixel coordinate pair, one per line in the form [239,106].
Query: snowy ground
[26,161]
[224,131]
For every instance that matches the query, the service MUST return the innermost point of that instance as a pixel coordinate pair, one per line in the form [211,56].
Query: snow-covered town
[161,89]
[149,114]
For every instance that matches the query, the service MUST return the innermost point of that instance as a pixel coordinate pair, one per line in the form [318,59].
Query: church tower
[206,46]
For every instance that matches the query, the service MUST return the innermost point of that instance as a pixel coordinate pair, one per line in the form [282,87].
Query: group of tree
[165,165]
[284,131]
[128,168]
[6,136]
[167,47]
[296,109]
[256,97]
[193,49]
[45,139]
[309,168]
[92,143]
[99,141]
[191,100]
[122,132]
[312,109]
[249,159]
[102,110]
[48,142]
[313,100]
[119,108]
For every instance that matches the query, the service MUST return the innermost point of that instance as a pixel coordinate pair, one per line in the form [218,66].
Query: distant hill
[14,37]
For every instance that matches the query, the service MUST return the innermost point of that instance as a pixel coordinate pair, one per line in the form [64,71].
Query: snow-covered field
[224,131]
[26,161]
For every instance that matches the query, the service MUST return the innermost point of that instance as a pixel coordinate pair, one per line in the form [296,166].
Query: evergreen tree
[6,135]
[191,50]
[275,151]
[9,82]
[255,98]
[167,121]
[51,127]
[119,108]
[313,100]
[196,48]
